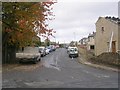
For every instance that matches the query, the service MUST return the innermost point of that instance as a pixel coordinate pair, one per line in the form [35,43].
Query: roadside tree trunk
[8,54]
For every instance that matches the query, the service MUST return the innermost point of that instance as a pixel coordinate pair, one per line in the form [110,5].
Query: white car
[47,50]
[42,51]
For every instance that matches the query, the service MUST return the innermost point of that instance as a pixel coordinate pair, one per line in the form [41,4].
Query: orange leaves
[42,31]
[21,23]
[48,3]
[44,13]
[8,30]
[21,28]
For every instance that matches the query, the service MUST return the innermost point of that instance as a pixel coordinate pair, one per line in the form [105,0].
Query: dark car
[30,54]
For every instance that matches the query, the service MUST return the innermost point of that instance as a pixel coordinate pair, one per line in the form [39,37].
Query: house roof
[92,35]
[112,19]
[83,39]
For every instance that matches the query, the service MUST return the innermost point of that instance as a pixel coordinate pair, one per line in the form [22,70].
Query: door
[113,46]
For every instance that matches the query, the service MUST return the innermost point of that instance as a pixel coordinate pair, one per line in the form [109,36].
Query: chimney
[109,17]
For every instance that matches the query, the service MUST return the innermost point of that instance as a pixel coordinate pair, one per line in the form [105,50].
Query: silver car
[30,54]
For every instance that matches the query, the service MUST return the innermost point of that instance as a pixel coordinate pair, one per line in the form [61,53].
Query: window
[102,29]
[91,46]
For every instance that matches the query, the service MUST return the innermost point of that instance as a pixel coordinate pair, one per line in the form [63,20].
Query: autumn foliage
[21,21]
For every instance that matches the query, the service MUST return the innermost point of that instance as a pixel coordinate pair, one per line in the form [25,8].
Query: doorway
[114,46]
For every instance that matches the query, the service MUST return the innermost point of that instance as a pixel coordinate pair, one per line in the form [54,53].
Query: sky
[75,19]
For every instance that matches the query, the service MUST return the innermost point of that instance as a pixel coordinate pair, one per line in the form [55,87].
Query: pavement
[85,62]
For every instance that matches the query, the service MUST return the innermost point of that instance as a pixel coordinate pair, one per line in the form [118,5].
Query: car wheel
[39,59]
[20,62]
[34,62]
[77,55]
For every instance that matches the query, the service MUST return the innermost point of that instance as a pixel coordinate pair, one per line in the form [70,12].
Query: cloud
[79,17]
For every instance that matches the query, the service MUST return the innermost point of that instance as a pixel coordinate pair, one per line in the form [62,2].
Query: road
[60,71]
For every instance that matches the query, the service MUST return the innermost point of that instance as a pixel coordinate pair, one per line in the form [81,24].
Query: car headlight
[76,52]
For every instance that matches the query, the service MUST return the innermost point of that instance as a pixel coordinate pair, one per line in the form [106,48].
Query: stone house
[91,42]
[107,35]
[83,41]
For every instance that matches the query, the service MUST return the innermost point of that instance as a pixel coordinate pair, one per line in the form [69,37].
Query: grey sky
[75,19]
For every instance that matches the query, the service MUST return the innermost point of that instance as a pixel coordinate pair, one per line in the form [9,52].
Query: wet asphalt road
[60,71]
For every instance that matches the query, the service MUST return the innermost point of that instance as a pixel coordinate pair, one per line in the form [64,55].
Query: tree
[47,42]
[20,23]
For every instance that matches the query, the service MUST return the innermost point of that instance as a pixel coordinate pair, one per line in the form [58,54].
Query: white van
[73,52]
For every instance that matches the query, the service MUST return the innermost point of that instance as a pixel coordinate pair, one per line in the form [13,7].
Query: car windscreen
[73,49]
[31,50]
[41,49]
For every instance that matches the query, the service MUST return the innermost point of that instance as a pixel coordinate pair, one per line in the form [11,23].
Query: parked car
[42,50]
[47,50]
[66,47]
[73,52]
[57,46]
[52,48]
[30,54]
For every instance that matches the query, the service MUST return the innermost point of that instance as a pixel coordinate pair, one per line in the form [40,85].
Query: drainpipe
[110,44]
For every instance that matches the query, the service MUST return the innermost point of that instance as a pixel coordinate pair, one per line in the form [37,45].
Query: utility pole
[75,42]
[74,36]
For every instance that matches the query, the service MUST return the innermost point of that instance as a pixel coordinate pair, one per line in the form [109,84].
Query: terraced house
[107,35]
[91,42]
